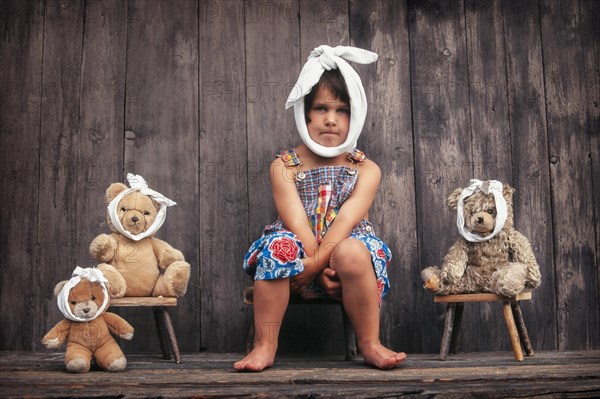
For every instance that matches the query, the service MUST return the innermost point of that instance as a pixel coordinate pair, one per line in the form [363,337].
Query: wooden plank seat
[511,312]
[349,337]
[164,325]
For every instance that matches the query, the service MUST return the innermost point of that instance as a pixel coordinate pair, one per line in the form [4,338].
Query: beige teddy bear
[83,300]
[491,256]
[133,260]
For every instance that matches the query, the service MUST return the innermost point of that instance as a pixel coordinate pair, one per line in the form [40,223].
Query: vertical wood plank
[320,23]
[590,11]
[532,209]
[162,116]
[564,48]
[21,44]
[272,67]
[491,140]
[223,176]
[490,130]
[382,27]
[61,90]
[102,102]
[440,106]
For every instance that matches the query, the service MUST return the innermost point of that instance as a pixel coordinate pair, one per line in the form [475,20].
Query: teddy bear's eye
[93,298]
[146,213]
[490,211]
[123,209]
[73,302]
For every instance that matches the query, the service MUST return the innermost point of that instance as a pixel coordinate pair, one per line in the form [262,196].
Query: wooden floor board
[493,375]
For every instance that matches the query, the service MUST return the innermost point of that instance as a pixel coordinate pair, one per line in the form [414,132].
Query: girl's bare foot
[381,357]
[260,358]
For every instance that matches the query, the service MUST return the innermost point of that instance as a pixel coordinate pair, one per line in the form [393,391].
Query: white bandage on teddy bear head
[326,58]
[486,187]
[92,274]
[137,183]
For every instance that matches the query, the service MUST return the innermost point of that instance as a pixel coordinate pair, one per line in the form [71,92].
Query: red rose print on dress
[284,249]
[252,260]
[381,253]
[380,288]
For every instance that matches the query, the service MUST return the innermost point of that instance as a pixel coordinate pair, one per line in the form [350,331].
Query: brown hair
[334,82]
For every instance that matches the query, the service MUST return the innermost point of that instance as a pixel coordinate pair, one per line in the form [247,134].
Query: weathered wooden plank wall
[190,95]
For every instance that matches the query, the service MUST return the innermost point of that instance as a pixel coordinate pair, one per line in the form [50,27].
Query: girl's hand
[330,281]
[301,281]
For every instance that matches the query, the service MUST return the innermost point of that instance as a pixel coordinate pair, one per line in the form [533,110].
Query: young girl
[322,244]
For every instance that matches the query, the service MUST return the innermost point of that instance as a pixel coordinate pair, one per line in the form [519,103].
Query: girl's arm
[289,207]
[351,213]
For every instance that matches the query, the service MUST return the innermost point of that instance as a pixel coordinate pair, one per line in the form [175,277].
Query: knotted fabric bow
[326,58]
[489,186]
[92,274]
[137,183]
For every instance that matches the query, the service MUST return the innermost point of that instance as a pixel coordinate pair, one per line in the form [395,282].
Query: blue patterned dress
[323,190]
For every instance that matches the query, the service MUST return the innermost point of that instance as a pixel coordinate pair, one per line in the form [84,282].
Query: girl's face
[329,119]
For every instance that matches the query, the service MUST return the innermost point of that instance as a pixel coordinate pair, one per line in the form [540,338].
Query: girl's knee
[351,257]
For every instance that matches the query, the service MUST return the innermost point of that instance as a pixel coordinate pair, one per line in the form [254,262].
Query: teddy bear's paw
[180,276]
[507,287]
[175,280]
[169,257]
[116,282]
[51,343]
[431,280]
[103,248]
[118,364]
[534,278]
[78,365]
[509,280]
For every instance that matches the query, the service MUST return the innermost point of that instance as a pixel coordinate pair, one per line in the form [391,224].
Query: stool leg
[349,336]
[458,312]
[162,339]
[171,333]
[518,316]
[512,331]
[448,324]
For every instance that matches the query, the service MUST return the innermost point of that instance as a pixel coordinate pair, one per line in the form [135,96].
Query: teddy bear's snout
[85,309]
[134,221]
[482,222]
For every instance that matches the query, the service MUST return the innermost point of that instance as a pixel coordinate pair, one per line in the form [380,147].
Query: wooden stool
[349,337]
[164,326]
[512,314]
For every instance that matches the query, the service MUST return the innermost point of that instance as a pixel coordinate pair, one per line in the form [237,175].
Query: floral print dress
[323,190]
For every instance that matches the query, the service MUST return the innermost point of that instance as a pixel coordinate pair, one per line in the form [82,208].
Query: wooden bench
[349,337]
[164,326]
[512,316]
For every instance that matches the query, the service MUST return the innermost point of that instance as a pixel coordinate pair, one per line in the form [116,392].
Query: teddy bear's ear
[453,199]
[59,287]
[507,192]
[113,191]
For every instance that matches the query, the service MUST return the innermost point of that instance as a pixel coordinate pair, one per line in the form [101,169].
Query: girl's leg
[271,298]
[352,263]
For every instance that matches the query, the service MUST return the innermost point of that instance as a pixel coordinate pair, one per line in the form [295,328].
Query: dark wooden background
[190,94]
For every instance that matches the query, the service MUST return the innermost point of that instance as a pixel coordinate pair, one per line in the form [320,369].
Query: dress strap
[290,158]
[357,156]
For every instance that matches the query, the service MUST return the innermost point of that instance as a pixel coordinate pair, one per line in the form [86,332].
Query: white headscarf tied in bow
[326,58]
[137,183]
[92,274]
[489,186]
